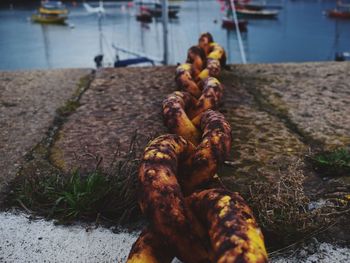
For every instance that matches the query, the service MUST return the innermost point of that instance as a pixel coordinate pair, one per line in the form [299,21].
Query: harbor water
[300,33]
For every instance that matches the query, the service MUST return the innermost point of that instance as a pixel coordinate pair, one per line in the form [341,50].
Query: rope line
[191,216]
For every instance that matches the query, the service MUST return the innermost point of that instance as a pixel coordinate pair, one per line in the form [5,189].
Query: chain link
[191,215]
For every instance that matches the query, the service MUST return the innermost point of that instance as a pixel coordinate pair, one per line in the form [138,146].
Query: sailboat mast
[100,32]
[239,37]
[165,18]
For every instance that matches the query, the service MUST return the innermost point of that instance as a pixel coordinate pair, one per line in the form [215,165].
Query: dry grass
[286,215]
[282,207]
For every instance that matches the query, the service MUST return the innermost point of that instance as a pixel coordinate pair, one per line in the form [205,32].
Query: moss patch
[69,107]
[73,103]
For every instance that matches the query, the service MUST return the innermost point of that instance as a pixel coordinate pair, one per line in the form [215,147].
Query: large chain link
[191,216]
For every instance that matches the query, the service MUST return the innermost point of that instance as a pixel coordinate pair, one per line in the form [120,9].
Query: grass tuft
[109,195]
[333,163]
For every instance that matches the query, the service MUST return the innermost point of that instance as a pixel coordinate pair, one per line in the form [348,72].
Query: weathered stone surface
[276,111]
[282,113]
[279,114]
[28,101]
[260,140]
[119,102]
[313,96]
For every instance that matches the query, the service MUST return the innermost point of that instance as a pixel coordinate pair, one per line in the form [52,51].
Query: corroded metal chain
[190,215]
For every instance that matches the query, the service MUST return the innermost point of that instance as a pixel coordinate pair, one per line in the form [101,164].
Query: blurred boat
[132,61]
[342,56]
[45,19]
[341,11]
[154,7]
[157,3]
[336,13]
[257,5]
[53,8]
[144,16]
[52,12]
[138,58]
[157,11]
[243,12]
[229,24]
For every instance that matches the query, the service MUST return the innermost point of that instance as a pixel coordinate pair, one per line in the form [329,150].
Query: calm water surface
[301,33]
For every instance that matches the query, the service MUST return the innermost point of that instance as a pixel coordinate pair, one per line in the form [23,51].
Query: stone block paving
[314,96]
[121,101]
[28,103]
[118,103]
[280,114]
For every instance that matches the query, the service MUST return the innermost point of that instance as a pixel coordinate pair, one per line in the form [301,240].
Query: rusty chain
[191,216]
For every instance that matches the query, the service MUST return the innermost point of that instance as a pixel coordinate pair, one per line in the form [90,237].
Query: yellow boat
[43,10]
[51,13]
[49,19]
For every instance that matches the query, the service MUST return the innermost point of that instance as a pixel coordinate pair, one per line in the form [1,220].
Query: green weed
[109,194]
[334,163]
